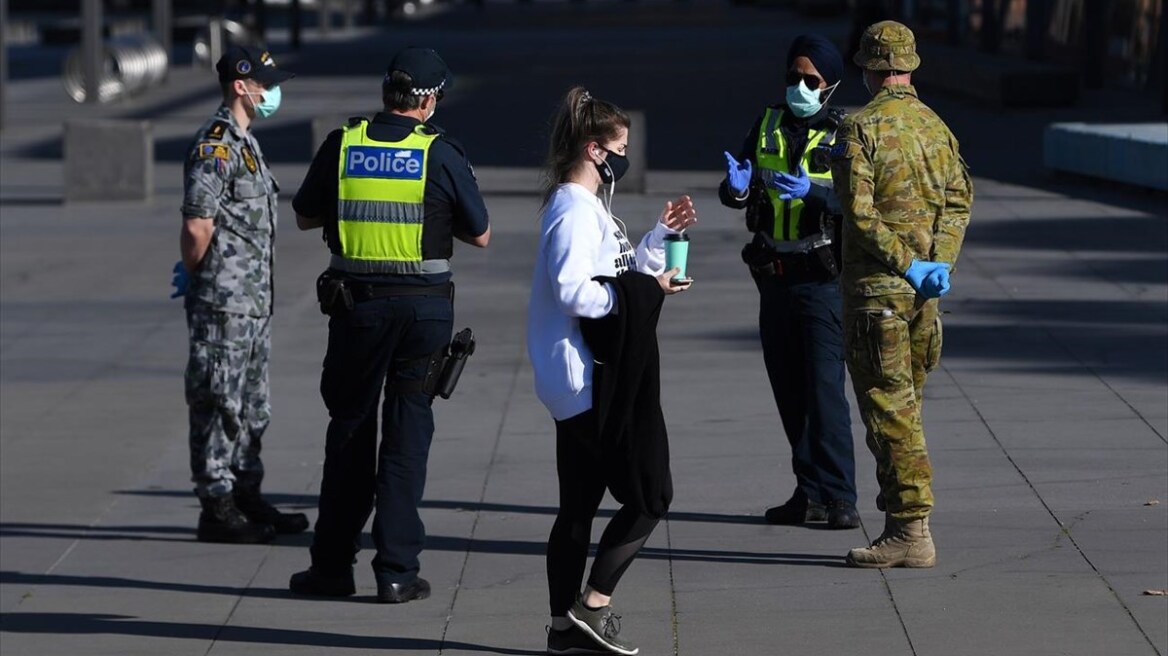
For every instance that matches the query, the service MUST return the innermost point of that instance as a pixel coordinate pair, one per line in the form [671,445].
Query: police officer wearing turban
[906,197]
[782,177]
[229,228]
[391,194]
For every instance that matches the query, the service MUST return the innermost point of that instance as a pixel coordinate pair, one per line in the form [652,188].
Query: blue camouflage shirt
[226,178]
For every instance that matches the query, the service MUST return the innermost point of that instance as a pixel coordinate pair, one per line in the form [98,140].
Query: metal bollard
[221,34]
[128,66]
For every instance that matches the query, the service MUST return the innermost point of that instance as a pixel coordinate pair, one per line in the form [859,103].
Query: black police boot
[221,521]
[318,584]
[797,510]
[842,514]
[400,593]
[257,509]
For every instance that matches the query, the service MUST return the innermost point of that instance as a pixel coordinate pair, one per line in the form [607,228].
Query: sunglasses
[812,81]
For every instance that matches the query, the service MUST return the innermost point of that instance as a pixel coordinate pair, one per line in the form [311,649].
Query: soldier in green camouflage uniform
[906,197]
[229,210]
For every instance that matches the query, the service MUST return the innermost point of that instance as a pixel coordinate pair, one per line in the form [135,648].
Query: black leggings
[581,490]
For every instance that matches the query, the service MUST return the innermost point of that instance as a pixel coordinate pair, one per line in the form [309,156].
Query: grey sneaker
[603,626]
[571,641]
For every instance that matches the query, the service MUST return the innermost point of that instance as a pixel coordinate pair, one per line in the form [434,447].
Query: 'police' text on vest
[393,163]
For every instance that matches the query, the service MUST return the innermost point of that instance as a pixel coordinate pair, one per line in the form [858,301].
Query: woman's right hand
[672,287]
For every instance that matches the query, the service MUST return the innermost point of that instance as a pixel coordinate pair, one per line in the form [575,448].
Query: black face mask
[613,168]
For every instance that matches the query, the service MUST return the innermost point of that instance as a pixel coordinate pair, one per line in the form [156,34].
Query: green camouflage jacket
[905,191]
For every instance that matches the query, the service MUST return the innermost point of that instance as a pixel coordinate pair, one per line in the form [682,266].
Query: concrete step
[1131,153]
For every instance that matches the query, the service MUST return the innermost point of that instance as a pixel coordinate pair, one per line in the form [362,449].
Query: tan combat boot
[904,543]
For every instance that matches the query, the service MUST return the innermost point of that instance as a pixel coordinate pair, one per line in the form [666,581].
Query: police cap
[887,46]
[246,63]
[425,67]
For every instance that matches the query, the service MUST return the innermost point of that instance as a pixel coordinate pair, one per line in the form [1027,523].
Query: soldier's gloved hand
[738,173]
[930,279]
[181,280]
[792,186]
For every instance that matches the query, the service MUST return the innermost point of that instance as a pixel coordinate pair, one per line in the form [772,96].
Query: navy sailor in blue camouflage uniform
[391,195]
[229,226]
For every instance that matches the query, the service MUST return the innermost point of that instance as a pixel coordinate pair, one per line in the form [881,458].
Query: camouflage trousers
[227,398]
[892,342]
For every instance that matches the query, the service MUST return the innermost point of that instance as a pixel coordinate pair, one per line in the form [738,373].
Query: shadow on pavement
[1139,234]
[95,623]
[86,532]
[301,501]
[22,578]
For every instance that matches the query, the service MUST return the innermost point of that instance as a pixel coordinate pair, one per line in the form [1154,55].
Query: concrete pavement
[1047,425]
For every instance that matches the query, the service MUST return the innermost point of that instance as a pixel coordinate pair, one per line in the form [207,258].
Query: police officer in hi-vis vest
[782,177]
[390,193]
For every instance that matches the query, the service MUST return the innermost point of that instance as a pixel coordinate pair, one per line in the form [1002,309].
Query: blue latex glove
[181,280]
[930,279]
[792,186]
[738,173]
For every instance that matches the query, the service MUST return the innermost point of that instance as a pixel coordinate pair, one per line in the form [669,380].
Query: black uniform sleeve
[725,193]
[317,196]
[470,211]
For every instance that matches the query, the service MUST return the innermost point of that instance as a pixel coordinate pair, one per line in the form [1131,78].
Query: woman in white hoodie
[579,240]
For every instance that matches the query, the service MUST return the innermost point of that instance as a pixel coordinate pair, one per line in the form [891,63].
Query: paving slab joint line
[672,588]
[482,498]
[239,600]
[891,598]
[1066,349]
[1063,528]
[1094,269]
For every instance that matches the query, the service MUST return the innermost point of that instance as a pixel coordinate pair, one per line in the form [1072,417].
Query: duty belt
[363,291]
[769,257]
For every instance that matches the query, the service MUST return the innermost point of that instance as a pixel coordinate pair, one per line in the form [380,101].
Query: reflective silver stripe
[388,266]
[379,211]
[772,124]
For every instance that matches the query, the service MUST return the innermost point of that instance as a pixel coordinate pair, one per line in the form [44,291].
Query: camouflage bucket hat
[887,46]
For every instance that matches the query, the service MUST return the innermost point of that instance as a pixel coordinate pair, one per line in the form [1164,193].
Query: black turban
[822,53]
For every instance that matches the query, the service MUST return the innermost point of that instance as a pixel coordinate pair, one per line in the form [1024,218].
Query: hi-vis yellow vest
[771,155]
[381,203]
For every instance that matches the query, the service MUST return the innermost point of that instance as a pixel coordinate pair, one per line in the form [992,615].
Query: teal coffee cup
[677,253]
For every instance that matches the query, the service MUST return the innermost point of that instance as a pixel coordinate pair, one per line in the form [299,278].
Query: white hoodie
[578,241]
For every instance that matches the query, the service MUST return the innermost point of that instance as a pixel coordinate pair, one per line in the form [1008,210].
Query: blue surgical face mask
[269,102]
[806,102]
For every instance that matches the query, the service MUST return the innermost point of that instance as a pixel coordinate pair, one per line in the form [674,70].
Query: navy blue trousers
[369,348]
[801,329]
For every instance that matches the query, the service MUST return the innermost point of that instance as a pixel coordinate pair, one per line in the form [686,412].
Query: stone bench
[1131,153]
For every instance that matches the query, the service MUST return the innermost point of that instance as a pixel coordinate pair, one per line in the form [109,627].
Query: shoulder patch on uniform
[249,159]
[209,150]
[217,130]
[845,149]
[354,121]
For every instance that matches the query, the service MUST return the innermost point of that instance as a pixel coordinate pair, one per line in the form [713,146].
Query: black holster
[453,362]
[444,367]
[332,294]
